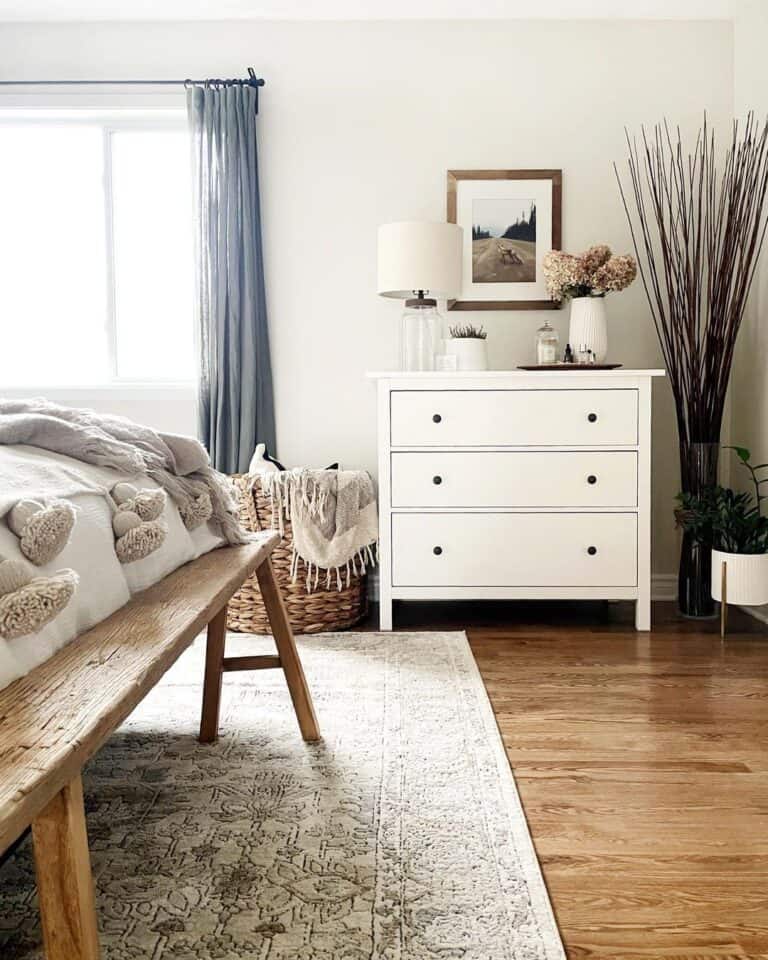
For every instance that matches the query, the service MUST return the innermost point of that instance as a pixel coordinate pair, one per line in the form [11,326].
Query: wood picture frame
[503,256]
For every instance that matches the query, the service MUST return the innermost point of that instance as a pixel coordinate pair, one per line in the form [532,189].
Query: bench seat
[56,717]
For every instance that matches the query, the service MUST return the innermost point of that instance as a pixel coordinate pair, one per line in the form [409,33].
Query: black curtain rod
[252,81]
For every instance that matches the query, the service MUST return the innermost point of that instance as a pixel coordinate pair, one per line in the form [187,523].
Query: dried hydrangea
[562,272]
[595,257]
[592,273]
[616,274]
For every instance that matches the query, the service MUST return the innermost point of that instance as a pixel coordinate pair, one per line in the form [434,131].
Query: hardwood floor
[642,763]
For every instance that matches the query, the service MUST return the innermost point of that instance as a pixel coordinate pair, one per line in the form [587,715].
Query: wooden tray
[570,366]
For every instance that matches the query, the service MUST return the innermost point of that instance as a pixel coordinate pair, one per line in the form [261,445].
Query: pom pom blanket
[179,465]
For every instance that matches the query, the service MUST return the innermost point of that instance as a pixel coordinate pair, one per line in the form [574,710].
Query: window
[96,270]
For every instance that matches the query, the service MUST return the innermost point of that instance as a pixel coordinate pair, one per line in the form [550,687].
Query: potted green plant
[467,344]
[732,524]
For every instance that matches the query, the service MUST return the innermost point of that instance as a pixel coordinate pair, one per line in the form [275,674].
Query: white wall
[750,383]
[360,122]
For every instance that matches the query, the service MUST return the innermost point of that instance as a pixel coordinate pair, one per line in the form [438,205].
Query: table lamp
[420,262]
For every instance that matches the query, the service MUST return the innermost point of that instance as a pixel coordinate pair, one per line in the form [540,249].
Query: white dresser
[514,485]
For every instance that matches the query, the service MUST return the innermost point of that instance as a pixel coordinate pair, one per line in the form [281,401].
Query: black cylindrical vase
[694,587]
[698,468]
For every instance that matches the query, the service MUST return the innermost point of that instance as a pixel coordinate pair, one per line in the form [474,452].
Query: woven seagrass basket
[325,609]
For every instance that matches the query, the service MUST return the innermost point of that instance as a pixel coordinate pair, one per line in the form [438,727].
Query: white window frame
[110,122]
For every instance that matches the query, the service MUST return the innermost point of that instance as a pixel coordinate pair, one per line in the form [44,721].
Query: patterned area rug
[399,837]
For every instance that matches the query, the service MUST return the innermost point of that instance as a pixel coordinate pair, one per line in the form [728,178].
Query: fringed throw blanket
[333,517]
[179,465]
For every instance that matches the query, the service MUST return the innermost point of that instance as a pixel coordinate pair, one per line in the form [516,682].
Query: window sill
[110,385]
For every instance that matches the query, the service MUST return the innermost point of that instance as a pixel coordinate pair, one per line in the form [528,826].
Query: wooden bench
[57,716]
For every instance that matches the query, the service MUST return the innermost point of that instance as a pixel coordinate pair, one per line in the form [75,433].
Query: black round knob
[437,551]
[591,551]
[437,481]
[591,478]
[436,418]
[592,417]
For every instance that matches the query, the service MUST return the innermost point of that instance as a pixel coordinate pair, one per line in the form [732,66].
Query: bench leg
[214,668]
[286,648]
[64,881]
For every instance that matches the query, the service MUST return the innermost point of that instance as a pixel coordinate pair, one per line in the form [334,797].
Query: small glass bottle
[547,341]
[422,333]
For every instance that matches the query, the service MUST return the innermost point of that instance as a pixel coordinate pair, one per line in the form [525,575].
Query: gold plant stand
[723,599]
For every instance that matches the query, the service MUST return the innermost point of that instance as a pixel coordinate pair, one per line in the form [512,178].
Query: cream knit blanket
[180,465]
[333,517]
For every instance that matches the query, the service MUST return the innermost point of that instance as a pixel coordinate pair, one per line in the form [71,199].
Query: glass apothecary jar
[547,342]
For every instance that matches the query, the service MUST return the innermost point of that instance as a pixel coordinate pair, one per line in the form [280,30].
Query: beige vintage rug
[400,837]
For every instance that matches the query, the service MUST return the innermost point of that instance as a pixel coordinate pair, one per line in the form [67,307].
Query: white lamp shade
[417,255]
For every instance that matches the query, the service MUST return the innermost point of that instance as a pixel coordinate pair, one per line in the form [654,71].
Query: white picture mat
[538,190]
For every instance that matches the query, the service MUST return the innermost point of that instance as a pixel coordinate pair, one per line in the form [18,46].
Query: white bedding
[105,583]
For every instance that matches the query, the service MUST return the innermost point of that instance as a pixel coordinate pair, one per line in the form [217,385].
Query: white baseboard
[663,587]
[373,585]
[759,613]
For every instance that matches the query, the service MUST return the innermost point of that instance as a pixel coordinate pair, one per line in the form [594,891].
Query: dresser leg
[385,615]
[643,612]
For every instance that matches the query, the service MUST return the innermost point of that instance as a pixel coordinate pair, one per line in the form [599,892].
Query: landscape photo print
[503,241]
[510,220]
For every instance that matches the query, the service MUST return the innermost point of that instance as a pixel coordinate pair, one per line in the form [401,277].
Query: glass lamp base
[421,335]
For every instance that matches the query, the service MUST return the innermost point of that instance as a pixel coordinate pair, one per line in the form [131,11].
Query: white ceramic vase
[588,326]
[470,352]
[746,577]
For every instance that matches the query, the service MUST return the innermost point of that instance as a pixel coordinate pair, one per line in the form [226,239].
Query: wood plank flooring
[642,763]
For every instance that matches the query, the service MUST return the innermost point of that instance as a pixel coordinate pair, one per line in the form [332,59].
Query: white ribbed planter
[588,326]
[470,352]
[747,577]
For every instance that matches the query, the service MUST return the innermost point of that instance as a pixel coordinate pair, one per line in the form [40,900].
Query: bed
[105,583]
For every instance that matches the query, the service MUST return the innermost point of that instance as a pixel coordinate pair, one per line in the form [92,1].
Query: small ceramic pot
[470,352]
[746,577]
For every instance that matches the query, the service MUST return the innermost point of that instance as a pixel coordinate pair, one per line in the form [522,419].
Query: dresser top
[437,376]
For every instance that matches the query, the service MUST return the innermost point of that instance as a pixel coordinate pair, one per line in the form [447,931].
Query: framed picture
[511,219]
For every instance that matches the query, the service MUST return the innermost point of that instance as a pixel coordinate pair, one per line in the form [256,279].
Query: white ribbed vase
[588,326]
[747,577]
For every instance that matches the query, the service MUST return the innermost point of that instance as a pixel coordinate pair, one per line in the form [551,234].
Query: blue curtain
[236,405]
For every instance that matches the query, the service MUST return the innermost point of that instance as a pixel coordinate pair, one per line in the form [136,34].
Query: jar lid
[421,302]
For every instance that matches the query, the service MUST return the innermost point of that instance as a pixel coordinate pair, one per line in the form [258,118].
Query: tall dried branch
[698,228]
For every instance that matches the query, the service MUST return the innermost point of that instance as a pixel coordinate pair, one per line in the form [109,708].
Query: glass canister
[421,334]
[547,341]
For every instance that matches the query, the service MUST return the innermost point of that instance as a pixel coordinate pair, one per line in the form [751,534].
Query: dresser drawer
[525,549]
[591,478]
[492,418]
